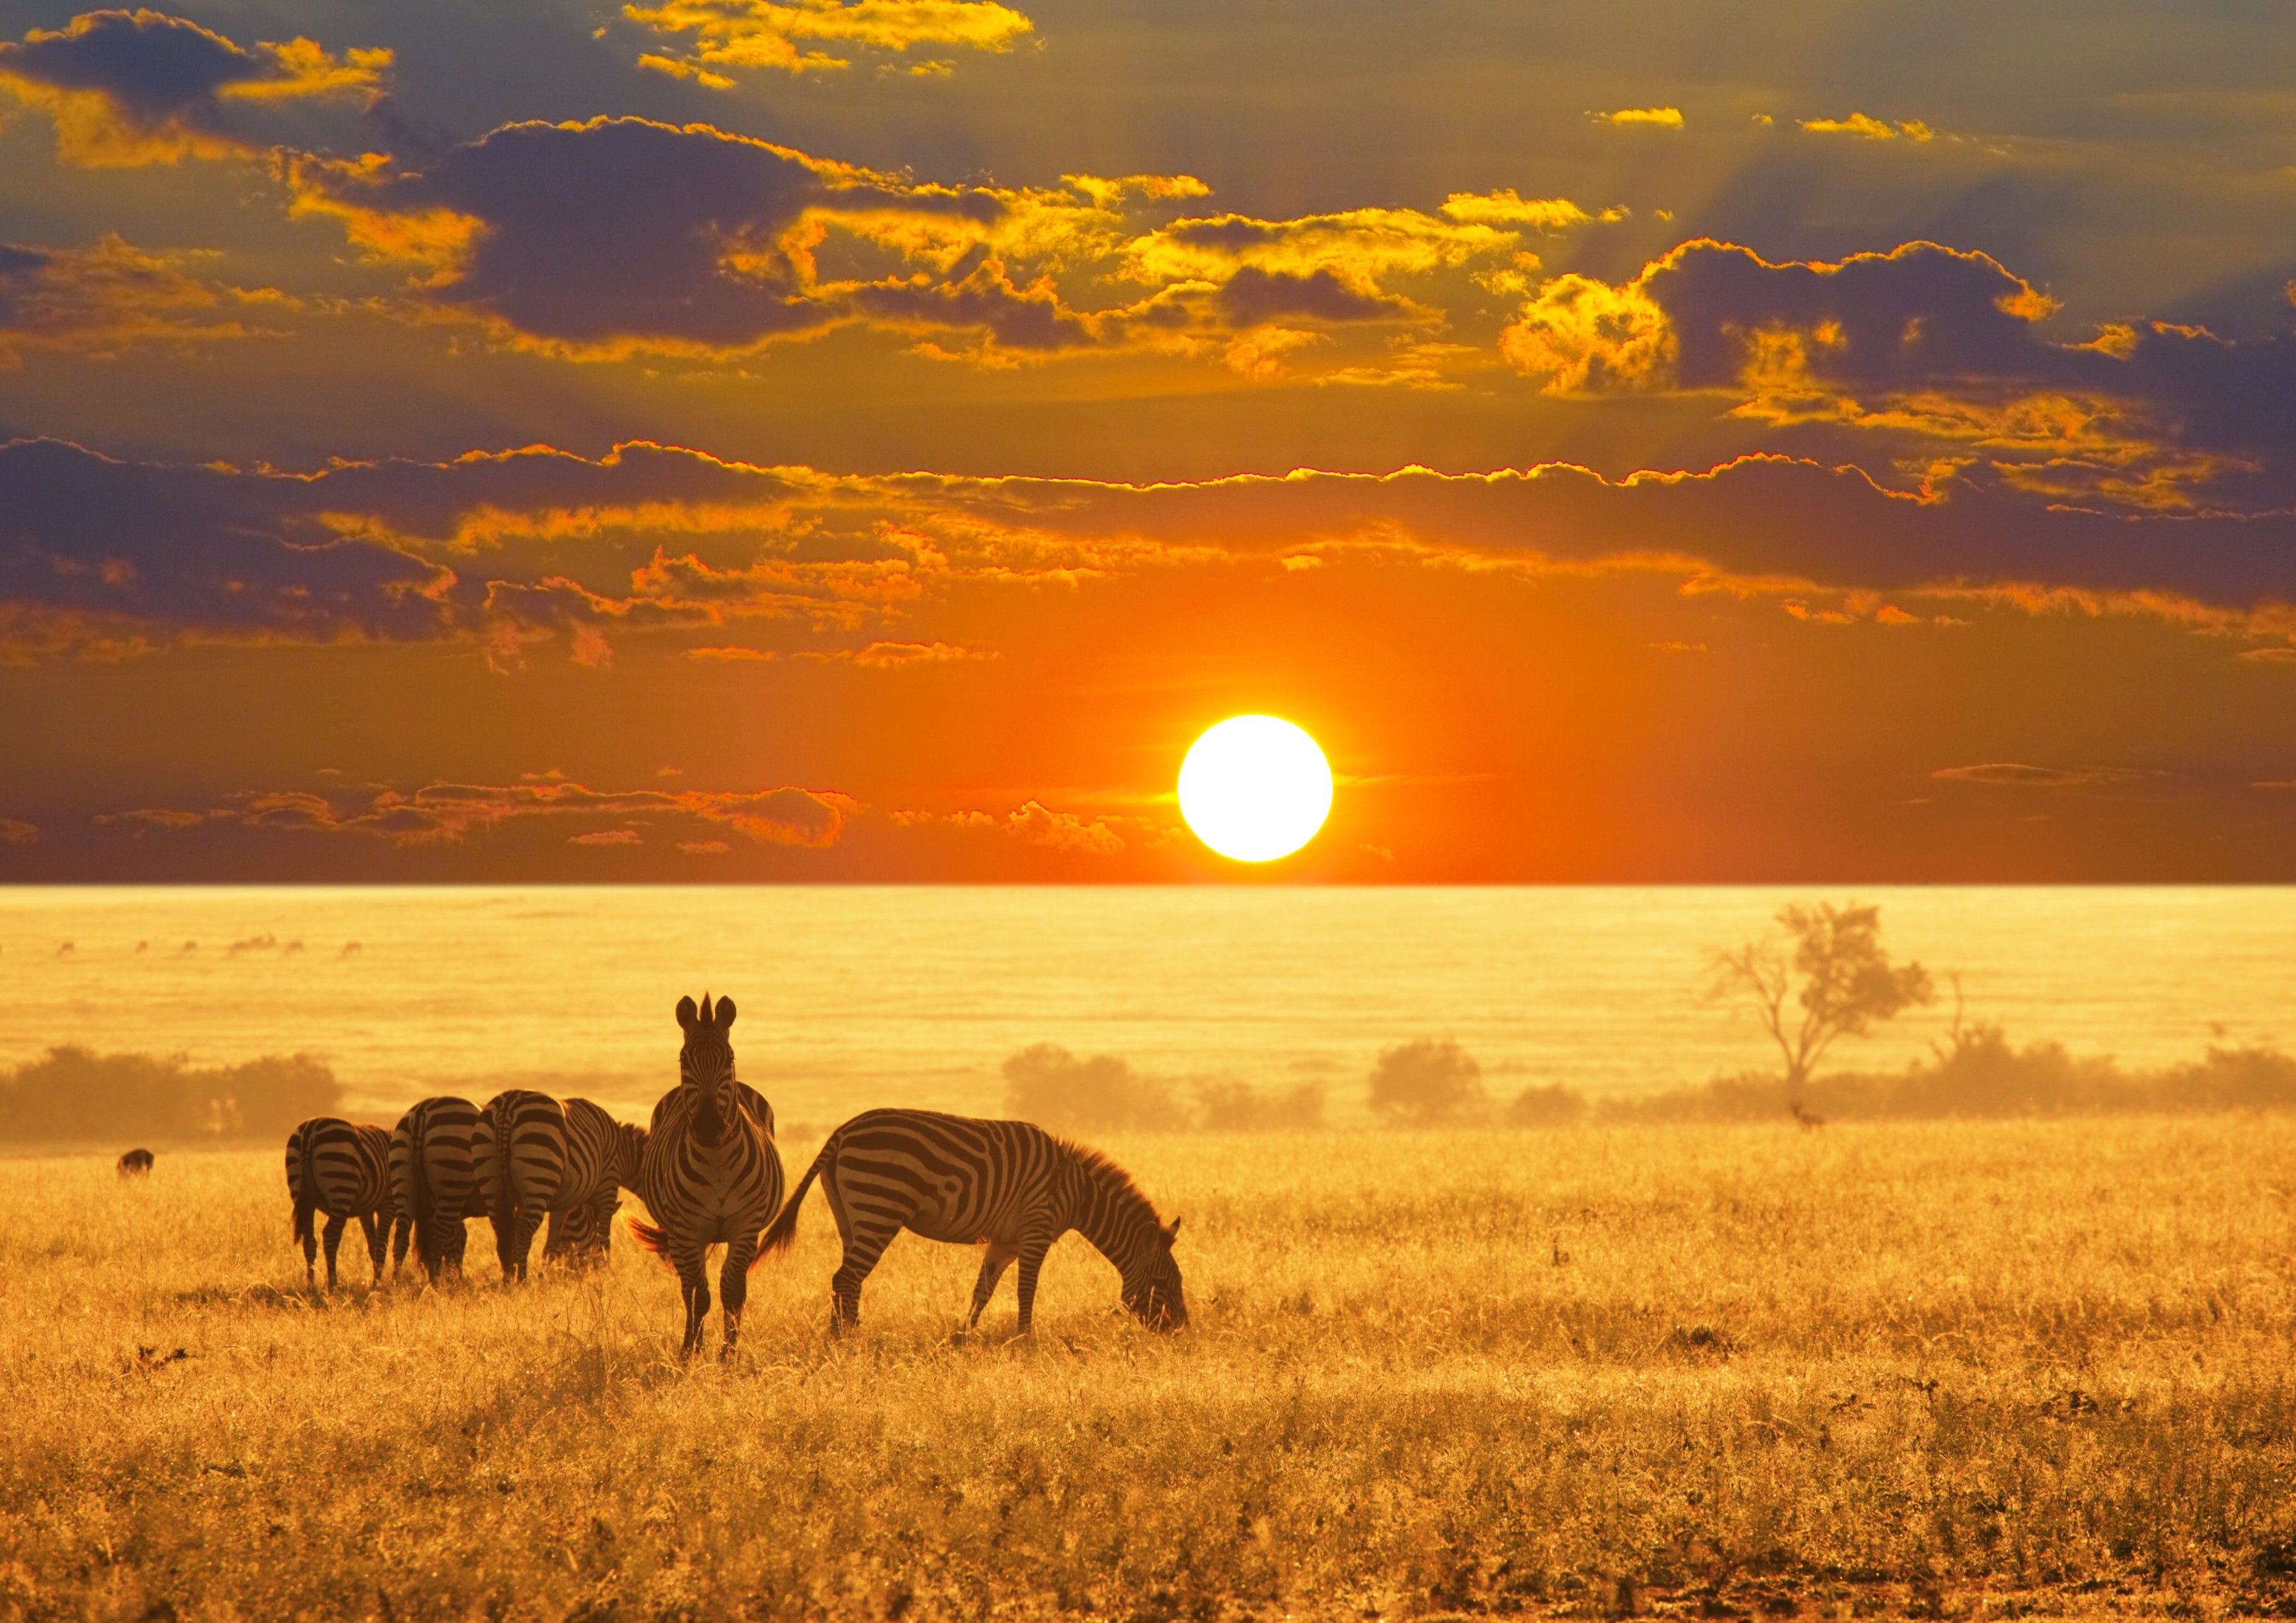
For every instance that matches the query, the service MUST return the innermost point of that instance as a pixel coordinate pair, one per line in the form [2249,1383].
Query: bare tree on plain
[1837,975]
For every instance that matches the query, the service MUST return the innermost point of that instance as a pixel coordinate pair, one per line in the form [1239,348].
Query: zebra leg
[992,1269]
[734,1286]
[693,1276]
[1033,1248]
[402,1229]
[334,1239]
[529,1218]
[505,1226]
[311,1257]
[863,1248]
[378,1240]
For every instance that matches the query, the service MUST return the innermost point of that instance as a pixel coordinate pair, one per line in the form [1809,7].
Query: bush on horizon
[75,1095]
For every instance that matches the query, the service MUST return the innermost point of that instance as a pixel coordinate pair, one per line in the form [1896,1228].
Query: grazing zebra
[520,1148]
[434,1183]
[344,1171]
[710,1174]
[1013,1186]
[602,1158]
[136,1163]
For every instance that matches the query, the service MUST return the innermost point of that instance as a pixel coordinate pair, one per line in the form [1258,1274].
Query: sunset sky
[1811,440]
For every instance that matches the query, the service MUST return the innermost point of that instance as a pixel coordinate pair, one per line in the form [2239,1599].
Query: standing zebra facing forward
[344,1171]
[434,1182]
[710,1174]
[1013,1186]
[520,1149]
[602,1158]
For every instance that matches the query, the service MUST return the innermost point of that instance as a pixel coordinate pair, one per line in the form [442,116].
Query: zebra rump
[343,1170]
[435,1182]
[520,1148]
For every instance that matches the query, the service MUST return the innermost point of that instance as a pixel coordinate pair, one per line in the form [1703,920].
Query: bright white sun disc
[1255,788]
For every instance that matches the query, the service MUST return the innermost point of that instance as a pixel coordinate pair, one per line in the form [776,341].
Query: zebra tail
[783,1229]
[654,1240]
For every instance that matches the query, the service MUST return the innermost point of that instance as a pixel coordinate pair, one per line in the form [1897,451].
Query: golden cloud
[739,34]
[1868,128]
[1665,118]
[128,88]
[1582,335]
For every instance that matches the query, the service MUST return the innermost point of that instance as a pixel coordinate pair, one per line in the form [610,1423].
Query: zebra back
[960,1179]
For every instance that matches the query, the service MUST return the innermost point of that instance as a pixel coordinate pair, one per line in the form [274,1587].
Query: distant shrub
[1049,1085]
[1236,1107]
[1979,1074]
[1545,1107]
[1428,1083]
[75,1095]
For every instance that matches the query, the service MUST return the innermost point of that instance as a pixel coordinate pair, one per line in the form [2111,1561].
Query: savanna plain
[1917,1369]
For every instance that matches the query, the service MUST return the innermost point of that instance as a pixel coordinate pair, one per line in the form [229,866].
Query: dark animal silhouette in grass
[136,1163]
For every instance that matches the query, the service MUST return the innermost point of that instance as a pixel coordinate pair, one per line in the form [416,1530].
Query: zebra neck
[1112,1219]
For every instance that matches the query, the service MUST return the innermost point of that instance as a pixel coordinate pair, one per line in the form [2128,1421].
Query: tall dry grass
[1908,1369]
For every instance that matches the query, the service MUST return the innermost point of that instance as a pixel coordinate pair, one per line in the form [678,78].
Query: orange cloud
[14,830]
[103,300]
[1036,824]
[127,88]
[450,813]
[2015,775]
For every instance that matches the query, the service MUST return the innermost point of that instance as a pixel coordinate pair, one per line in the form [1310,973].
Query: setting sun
[1255,788]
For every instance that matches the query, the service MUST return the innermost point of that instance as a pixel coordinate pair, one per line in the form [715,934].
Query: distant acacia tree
[1428,1084]
[1826,977]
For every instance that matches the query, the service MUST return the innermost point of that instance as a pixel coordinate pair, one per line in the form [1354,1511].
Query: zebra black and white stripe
[710,1174]
[344,1171]
[1015,1186]
[602,1158]
[520,1149]
[435,1183]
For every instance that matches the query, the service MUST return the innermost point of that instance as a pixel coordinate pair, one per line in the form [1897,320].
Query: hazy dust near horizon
[852,997]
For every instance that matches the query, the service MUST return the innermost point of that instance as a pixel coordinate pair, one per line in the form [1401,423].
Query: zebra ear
[685,1016]
[1171,1233]
[724,1013]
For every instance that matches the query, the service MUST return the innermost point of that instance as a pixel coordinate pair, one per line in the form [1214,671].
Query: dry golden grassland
[1914,1370]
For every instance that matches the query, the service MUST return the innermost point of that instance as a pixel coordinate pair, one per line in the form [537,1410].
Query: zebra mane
[1118,1183]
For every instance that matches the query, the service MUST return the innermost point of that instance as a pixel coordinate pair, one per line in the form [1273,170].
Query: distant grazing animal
[964,1181]
[602,1158]
[520,1150]
[344,1171]
[136,1163]
[1805,1118]
[434,1183]
[710,1174]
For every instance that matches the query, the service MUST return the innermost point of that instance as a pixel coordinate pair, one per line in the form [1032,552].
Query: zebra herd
[709,1173]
